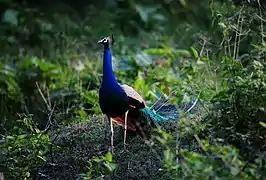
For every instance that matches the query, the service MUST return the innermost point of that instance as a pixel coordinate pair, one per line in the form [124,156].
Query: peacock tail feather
[164,114]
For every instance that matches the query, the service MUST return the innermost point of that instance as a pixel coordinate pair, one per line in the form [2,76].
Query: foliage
[208,52]
[239,109]
[212,161]
[98,167]
[24,150]
[36,83]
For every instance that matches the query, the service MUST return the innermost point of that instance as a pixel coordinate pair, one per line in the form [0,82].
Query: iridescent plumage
[121,103]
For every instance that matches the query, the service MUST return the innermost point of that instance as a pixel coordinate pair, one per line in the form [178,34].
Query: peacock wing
[135,99]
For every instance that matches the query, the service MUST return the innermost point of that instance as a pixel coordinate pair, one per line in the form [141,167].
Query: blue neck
[108,74]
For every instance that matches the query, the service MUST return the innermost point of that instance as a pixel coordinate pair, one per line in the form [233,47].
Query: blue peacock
[122,104]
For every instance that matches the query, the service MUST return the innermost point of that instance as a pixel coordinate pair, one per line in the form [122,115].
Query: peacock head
[106,41]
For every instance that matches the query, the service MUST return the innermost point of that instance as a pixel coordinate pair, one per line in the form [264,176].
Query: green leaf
[110,166]
[40,157]
[168,155]
[257,64]
[45,66]
[195,53]
[91,96]
[109,157]
[183,53]
[11,16]
[200,62]
[10,137]
[159,51]
[222,25]
[262,124]
[234,171]
[97,160]
[83,114]
[183,2]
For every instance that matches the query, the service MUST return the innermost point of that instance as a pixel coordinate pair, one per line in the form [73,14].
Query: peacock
[122,104]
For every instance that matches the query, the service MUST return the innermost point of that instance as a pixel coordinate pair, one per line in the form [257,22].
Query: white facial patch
[105,40]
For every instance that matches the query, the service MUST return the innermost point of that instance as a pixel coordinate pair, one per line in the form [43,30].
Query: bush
[238,114]
[24,151]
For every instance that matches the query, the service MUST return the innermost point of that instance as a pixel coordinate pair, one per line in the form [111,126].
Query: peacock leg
[112,135]
[125,131]
[107,128]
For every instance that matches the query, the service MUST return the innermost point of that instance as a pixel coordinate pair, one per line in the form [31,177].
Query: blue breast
[113,100]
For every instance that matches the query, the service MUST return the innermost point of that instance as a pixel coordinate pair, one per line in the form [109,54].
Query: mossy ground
[74,145]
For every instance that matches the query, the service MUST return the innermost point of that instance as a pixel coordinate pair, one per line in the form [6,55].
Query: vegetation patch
[207,58]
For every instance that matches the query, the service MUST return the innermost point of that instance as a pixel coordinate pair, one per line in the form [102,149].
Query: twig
[45,101]
[48,105]
[199,142]
[264,20]
[49,122]
[194,104]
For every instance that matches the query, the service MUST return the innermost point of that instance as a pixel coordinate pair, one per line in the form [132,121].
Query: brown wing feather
[121,122]
[132,93]
[136,102]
